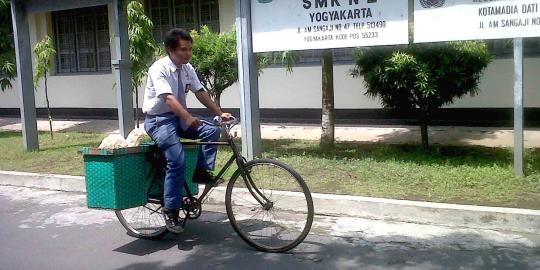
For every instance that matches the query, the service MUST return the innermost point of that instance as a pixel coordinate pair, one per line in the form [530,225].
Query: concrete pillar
[25,87]
[518,107]
[121,67]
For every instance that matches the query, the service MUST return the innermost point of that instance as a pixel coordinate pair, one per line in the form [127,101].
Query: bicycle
[267,202]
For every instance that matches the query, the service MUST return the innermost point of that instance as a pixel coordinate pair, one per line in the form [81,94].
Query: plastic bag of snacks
[115,141]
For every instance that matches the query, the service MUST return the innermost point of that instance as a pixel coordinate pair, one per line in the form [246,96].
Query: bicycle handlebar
[218,120]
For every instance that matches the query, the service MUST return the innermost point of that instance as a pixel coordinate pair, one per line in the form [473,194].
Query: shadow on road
[207,245]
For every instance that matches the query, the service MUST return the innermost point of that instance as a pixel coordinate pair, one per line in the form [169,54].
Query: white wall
[497,86]
[301,89]
[226,15]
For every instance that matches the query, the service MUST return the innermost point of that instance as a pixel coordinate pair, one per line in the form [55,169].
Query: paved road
[43,229]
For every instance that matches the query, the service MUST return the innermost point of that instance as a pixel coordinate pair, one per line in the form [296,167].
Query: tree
[327,119]
[422,78]
[7,51]
[143,48]
[44,51]
[216,60]
[288,59]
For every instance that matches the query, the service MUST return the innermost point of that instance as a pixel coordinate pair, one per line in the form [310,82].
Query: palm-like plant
[421,78]
[7,51]
[143,48]
[44,51]
[216,62]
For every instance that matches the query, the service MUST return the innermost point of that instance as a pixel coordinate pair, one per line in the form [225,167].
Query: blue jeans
[166,131]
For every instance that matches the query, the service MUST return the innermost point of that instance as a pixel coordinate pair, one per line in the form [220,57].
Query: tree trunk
[48,106]
[327,121]
[137,106]
[424,131]
[217,99]
[424,121]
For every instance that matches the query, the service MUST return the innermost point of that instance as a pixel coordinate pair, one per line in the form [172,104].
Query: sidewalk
[491,218]
[448,135]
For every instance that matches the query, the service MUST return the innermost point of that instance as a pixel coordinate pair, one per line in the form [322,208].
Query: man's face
[183,53]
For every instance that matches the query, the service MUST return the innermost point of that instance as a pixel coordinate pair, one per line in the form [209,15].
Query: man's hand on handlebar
[226,116]
[225,119]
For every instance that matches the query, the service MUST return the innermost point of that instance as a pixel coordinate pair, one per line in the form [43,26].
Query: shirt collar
[170,64]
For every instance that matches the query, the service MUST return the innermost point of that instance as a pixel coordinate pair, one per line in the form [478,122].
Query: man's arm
[180,111]
[205,99]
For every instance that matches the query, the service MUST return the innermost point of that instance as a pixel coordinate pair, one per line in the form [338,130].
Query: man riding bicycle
[167,119]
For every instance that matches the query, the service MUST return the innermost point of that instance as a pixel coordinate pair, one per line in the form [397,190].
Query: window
[187,14]
[82,40]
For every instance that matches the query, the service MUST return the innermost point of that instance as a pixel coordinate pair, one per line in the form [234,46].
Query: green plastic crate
[116,178]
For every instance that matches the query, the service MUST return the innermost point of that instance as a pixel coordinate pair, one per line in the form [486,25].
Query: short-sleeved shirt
[163,79]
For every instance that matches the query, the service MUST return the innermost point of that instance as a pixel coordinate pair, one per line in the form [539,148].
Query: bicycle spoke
[284,219]
[144,221]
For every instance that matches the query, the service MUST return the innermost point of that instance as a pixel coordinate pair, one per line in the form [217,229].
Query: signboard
[280,25]
[444,20]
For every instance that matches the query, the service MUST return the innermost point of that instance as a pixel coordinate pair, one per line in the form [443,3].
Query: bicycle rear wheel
[145,221]
[284,218]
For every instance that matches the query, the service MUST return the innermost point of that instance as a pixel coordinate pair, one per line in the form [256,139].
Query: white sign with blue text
[446,20]
[280,25]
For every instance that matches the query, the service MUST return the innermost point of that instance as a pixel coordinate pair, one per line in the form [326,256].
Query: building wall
[226,15]
[278,89]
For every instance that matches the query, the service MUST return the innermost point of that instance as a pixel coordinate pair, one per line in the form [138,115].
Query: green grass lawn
[470,175]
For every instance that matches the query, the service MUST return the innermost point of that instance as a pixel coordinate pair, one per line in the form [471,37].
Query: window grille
[186,14]
[82,40]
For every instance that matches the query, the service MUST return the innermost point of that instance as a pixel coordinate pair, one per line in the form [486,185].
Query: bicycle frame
[240,162]
[244,211]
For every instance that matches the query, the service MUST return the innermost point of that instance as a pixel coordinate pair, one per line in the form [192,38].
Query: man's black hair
[172,38]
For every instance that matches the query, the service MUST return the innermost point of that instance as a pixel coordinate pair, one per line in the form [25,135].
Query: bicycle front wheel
[270,206]
[145,221]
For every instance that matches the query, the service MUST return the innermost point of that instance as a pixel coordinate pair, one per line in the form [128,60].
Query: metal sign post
[518,107]
[248,82]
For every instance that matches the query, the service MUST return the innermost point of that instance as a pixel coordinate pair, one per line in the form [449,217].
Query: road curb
[467,216]
[45,181]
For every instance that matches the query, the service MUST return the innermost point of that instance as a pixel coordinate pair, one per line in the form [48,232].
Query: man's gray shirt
[163,78]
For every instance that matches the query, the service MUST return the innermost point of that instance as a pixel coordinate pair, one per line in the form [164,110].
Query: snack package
[135,137]
[113,141]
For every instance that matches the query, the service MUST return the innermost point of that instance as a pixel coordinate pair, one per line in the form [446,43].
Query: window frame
[173,20]
[75,68]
